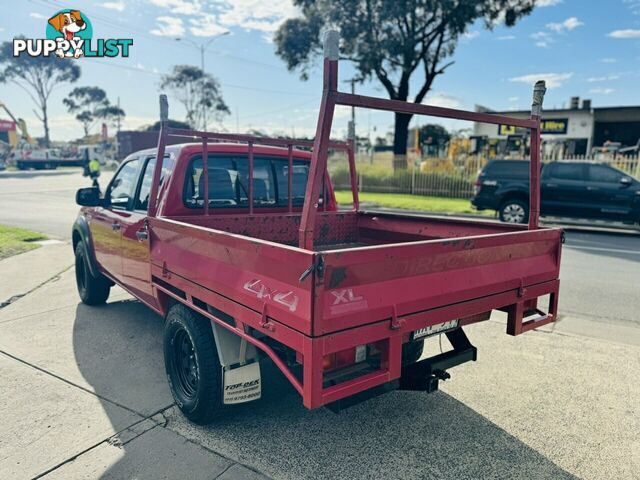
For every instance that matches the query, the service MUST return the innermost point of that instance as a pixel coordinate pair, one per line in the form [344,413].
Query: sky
[586,48]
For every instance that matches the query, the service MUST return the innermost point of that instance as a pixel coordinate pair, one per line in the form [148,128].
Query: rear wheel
[514,211]
[191,362]
[92,290]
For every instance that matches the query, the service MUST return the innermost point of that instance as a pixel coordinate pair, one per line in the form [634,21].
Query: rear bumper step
[425,375]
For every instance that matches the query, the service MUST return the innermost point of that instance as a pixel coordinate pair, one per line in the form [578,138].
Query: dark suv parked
[584,190]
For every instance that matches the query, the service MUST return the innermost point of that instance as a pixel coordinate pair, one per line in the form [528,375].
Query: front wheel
[92,290]
[514,211]
[191,362]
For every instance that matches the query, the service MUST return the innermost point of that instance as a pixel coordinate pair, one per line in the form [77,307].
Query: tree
[90,105]
[391,40]
[434,134]
[199,93]
[37,76]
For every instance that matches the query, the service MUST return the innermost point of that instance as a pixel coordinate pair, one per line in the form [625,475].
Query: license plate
[435,329]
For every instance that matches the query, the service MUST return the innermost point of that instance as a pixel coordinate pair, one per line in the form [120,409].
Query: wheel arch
[81,233]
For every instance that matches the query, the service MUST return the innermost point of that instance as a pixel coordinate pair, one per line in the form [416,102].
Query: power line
[228,85]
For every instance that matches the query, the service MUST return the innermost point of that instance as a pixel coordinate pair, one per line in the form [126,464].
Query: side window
[567,171]
[123,185]
[600,173]
[142,199]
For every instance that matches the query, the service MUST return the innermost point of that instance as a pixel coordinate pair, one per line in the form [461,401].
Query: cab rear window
[228,182]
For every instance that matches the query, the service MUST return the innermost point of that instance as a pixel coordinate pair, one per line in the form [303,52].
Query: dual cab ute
[240,246]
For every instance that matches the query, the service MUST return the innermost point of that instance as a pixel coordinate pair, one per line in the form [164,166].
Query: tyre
[412,351]
[92,290]
[514,211]
[192,365]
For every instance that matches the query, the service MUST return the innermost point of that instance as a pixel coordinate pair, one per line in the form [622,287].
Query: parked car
[573,189]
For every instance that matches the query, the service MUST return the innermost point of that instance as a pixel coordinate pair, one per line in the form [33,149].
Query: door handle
[115,226]
[592,188]
[551,185]
[142,235]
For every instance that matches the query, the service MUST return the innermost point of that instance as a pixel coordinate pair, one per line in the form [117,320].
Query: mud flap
[240,364]
[242,384]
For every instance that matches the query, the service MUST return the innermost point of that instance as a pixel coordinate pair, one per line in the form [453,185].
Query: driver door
[106,222]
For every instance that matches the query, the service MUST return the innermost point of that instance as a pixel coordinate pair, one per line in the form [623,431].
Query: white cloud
[566,26]
[182,7]
[543,39]
[168,27]
[608,60]
[38,16]
[206,25]
[119,5]
[603,79]
[548,3]
[634,6]
[628,33]
[553,80]
[507,37]
[602,91]
[256,14]
[212,17]
[470,35]
[514,99]
[445,100]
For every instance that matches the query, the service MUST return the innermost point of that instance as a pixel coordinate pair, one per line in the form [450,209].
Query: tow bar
[425,375]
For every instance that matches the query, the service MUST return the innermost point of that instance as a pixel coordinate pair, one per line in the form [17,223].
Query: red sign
[7,125]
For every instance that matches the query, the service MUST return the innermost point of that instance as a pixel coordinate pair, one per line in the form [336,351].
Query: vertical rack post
[290,177]
[534,187]
[321,143]
[162,141]
[250,178]
[205,173]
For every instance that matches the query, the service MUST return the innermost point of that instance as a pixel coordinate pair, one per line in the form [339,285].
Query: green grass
[413,202]
[17,240]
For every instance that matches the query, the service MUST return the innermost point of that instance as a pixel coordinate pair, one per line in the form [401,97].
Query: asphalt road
[600,271]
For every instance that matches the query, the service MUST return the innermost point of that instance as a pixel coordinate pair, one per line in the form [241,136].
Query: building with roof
[575,131]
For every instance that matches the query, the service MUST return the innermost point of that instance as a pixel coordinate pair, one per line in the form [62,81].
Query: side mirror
[89,197]
[626,181]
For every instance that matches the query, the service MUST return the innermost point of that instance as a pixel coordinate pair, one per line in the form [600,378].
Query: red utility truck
[238,243]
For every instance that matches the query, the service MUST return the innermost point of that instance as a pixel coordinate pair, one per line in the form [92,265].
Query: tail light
[344,358]
[477,185]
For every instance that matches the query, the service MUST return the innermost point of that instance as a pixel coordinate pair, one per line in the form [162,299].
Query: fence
[434,176]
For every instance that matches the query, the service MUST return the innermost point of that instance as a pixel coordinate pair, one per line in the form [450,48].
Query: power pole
[351,129]
[202,47]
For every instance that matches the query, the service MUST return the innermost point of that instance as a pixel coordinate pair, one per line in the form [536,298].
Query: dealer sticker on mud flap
[242,384]
[435,329]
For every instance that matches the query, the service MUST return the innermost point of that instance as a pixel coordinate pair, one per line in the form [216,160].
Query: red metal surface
[323,282]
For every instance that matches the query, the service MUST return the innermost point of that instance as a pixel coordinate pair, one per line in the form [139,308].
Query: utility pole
[351,129]
[202,47]
[118,119]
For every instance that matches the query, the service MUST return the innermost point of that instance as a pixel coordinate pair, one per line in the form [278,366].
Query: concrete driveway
[85,396]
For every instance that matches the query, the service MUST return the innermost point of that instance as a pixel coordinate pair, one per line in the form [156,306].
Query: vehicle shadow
[399,435]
